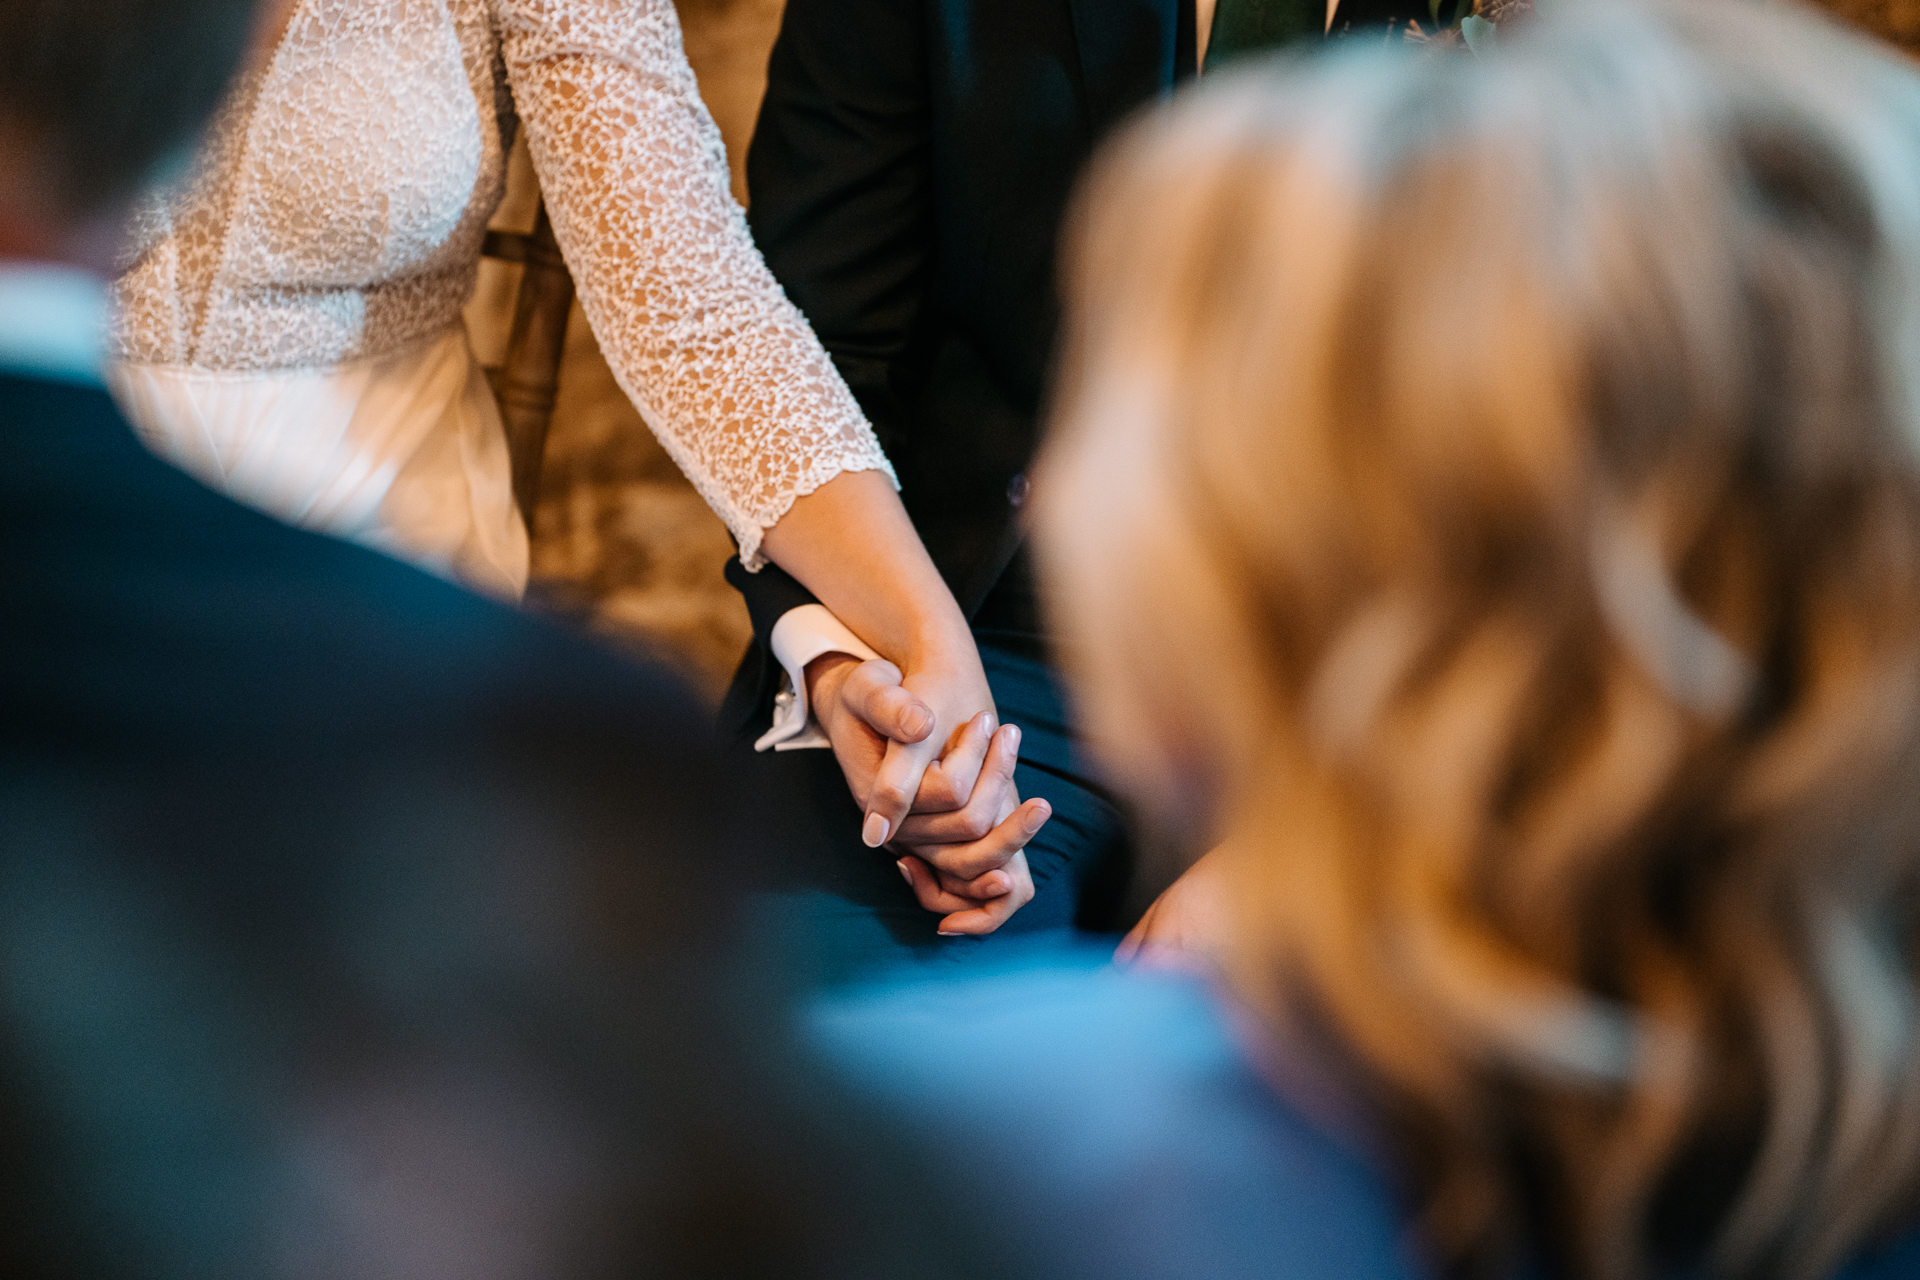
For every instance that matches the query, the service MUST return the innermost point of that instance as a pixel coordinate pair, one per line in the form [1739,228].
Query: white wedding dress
[290,327]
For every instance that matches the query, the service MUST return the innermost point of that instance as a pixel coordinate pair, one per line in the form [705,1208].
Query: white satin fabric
[402,452]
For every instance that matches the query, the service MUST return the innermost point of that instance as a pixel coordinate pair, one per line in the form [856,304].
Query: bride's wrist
[944,664]
[939,640]
[955,686]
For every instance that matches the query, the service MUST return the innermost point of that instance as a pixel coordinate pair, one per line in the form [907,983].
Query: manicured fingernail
[1013,738]
[904,873]
[1038,816]
[875,832]
[993,722]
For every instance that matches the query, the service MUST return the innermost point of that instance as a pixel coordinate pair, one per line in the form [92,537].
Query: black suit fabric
[348,920]
[912,165]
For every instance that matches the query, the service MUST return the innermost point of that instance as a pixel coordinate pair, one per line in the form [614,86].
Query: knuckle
[945,861]
[939,814]
[975,866]
[950,865]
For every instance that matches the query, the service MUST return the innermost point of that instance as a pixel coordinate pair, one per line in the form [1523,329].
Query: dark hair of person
[96,91]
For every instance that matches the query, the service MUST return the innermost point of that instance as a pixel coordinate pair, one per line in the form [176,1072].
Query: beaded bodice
[338,204]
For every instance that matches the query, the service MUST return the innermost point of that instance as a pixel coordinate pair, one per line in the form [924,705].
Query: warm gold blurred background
[1896,20]
[621,538]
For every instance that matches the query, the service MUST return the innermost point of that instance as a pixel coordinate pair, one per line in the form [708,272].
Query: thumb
[874,693]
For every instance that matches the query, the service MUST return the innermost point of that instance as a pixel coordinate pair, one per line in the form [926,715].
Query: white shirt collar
[53,321]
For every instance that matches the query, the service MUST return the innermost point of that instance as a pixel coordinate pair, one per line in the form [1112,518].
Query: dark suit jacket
[909,175]
[349,920]
[912,164]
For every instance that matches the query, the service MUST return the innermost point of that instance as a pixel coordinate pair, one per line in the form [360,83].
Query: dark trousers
[846,909]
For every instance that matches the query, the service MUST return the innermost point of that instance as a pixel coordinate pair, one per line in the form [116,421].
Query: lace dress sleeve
[721,365]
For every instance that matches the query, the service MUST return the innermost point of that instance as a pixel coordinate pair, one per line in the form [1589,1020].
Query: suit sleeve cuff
[801,635]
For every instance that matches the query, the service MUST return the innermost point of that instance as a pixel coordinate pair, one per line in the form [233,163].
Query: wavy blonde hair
[1483,495]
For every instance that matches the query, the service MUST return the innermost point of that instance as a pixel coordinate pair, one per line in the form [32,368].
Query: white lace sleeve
[720,364]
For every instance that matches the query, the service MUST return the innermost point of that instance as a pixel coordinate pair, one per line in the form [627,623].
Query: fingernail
[904,873]
[993,722]
[1013,737]
[947,934]
[874,833]
[916,721]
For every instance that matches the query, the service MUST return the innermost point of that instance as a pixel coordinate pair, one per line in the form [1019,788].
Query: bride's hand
[967,827]
[894,732]
[886,731]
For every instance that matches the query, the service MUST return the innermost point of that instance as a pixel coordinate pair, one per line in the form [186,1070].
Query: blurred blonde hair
[1483,494]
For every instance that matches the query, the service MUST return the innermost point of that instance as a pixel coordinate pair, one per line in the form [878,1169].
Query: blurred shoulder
[144,603]
[1111,1122]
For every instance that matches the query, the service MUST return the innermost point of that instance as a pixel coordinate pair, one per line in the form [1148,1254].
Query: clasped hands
[945,802]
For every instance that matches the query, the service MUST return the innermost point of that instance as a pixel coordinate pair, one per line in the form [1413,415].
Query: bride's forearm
[851,544]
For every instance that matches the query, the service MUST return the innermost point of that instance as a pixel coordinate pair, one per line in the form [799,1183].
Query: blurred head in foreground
[1518,569]
[94,93]
[350,925]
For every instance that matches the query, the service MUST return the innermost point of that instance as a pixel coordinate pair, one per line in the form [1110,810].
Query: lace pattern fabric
[337,209]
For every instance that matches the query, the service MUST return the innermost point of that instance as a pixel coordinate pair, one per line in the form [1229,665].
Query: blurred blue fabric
[1109,1123]
[1106,1124]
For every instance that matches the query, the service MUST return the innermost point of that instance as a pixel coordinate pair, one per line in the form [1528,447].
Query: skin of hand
[1186,925]
[964,842]
[851,544]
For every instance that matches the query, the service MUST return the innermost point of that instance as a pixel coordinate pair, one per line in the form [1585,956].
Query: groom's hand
[863,708]
[967,828]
